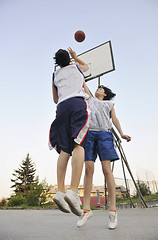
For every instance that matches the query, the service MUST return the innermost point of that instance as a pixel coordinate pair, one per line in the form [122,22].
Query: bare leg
[61,170]
[88,178]
[77,166]
[106,166]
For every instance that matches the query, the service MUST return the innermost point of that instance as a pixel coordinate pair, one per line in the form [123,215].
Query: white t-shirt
[69,82]
[100,114]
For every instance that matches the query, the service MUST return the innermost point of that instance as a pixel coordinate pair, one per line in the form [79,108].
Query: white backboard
[99,59]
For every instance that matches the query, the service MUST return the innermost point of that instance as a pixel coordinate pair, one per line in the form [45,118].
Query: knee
[89,170]
[107,171]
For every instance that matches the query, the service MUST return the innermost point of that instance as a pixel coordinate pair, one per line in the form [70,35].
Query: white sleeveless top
[69,82]
[100,114]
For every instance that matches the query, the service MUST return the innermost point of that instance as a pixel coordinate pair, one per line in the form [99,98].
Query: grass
[137,199]
[50,205]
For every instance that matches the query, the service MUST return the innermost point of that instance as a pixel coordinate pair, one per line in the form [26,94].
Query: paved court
[134,224]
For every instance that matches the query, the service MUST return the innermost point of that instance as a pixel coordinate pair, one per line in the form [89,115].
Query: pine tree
[24,177]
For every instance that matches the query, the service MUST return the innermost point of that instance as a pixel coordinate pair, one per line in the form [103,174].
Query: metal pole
[112,166]
[117,140]
[126,183]
[98,81]
[98,197]
[129,170]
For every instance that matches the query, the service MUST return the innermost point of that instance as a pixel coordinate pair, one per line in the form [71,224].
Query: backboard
[99,59]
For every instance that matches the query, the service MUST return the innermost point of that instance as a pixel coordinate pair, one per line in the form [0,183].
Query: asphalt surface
[133,224]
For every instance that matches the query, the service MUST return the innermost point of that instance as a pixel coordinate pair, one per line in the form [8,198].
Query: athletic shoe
[82,221]
[74,202]
[112,220]
[60,202]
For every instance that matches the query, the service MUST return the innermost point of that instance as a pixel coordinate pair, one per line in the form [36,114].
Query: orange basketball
[79,36]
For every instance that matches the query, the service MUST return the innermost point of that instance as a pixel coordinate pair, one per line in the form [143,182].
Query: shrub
[36,195]
[3,202]
[16,200]
[143,188]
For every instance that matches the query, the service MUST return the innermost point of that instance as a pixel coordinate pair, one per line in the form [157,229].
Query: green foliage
[37,194]
[24,177]
[28,190]
[151,197]
[145,190]
[16,200]
[137,199]
[3,202]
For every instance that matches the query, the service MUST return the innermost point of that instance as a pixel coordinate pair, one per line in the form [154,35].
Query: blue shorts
[100,143]
[70,125]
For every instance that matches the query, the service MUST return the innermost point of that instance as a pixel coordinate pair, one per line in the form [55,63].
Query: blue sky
[31,33]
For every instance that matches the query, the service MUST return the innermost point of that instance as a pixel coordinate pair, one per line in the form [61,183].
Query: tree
[37,194]
[145,190]
[28,190]
[24,177]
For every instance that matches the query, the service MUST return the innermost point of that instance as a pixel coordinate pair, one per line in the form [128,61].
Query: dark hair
[62,58]
[108,92]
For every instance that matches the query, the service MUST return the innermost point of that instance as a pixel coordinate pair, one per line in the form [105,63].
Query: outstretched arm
[82,65]
[118,126]
[86,89]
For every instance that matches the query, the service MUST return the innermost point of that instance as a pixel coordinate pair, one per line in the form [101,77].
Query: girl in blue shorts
[99,142]
[70,127]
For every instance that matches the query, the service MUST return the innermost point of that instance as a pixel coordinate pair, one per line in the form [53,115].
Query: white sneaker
[82,221]
[112,220]
[74,202]
[61,203]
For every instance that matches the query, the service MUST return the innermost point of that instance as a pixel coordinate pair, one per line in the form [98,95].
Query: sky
[31,33]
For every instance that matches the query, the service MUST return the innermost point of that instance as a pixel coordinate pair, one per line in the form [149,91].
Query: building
[121,192]
[97,193]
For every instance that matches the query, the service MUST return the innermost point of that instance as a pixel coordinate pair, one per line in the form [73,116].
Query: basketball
[79,36]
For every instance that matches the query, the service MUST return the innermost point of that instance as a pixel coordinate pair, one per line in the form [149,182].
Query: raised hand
[126,137]
[72,53]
